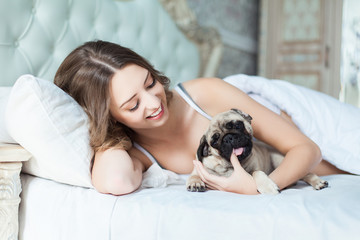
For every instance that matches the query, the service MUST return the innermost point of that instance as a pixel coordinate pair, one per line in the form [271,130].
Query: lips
[157,114]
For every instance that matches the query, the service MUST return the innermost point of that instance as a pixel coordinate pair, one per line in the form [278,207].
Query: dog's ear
[203,149]
[246,116]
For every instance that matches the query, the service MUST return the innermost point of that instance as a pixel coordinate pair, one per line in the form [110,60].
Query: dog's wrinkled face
[229,131]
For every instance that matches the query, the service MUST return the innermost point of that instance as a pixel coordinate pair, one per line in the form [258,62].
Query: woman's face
[137,99]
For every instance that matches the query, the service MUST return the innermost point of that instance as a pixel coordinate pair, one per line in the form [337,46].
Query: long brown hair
[85,75]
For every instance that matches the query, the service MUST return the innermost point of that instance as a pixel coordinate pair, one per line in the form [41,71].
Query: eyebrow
[147,75]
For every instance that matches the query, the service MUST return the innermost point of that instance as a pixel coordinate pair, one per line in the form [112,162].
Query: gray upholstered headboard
[36,35]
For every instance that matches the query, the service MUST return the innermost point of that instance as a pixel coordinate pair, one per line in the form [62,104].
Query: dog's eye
[214,139]
[229,125]
[239,125]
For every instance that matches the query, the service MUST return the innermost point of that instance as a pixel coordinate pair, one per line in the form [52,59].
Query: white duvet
[333,125]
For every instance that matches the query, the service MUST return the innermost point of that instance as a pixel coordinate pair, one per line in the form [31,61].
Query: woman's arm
[115,172]
[301,154]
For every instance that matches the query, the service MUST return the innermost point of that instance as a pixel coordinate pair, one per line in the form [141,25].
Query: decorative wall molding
[208,39]
[237,24]
[239,42]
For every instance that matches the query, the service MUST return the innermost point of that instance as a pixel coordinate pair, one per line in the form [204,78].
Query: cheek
[124,116]
[115,113]
[129,119]
[119,115]
[210,162]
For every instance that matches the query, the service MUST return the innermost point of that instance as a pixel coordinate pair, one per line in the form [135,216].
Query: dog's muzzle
[240,143]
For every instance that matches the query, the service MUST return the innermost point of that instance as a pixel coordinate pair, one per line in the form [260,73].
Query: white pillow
[4,97]
[53,128]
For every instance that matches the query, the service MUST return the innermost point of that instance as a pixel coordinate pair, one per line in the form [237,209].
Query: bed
[44,128]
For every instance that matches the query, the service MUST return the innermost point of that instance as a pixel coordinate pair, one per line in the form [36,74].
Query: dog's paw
[269,188]
[315,181]
[320,184]
[195,184]
[264,184]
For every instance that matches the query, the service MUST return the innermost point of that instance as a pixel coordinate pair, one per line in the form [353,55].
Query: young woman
[135,119]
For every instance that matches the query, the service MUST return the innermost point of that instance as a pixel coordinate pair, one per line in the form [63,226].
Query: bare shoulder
[198,85]
[214,95]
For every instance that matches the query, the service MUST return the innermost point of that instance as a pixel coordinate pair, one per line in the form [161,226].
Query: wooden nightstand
[11,158]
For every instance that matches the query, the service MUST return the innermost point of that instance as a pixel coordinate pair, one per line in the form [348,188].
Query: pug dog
[230,132]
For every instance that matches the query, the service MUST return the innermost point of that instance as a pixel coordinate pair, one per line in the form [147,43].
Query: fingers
[211,187]
[233,183]
[234,161]
[204,175]
[236,164]
[211,181]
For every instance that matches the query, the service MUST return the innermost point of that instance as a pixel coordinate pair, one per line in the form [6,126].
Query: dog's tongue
[238,151]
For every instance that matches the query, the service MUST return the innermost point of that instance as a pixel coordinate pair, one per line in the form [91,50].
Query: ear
[246,116]
[203,149]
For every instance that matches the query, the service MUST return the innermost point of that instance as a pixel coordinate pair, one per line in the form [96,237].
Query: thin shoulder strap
[185,95]
[146,152]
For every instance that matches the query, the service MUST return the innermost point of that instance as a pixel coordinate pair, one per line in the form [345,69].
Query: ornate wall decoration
[236,23]
[207,38]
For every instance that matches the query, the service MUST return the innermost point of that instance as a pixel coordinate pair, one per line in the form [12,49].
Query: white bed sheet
[50,210]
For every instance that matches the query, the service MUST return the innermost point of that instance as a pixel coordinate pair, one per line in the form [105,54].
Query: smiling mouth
[157,113]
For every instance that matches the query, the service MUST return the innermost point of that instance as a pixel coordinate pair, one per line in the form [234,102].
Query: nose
[231,139]
[151,101]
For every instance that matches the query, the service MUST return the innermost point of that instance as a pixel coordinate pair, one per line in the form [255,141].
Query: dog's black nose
[231,139]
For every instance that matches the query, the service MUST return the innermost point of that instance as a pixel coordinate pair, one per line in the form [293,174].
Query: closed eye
[153,83]
[135,107]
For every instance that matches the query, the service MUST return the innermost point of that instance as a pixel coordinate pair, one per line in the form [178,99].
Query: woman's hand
[240,181]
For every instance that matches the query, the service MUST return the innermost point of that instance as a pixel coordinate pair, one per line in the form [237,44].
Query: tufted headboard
[36,35]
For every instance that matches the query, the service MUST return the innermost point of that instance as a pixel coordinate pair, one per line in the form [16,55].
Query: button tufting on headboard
[35,36]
